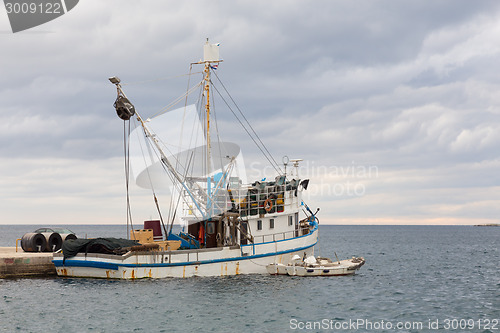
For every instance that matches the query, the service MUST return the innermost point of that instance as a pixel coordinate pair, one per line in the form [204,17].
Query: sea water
[416,279]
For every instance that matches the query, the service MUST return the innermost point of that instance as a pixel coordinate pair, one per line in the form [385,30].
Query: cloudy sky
[393,105]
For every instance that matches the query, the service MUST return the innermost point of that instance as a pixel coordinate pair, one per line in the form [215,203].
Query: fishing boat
[230,226]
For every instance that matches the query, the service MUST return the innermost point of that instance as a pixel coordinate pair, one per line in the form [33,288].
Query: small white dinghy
[319,266]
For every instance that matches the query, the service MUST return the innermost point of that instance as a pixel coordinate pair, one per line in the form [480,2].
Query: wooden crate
[168,245]
[143,236]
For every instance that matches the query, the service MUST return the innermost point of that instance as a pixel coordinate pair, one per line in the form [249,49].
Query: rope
[158,79]
[159,213]
[276,165]
[177,162]
[126,148]
[217,131]
[176,101]
[151,182]
[269,158]
[152,187]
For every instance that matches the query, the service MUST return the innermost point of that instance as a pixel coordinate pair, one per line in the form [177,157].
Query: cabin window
[259,224]
[271,224]
[290,220]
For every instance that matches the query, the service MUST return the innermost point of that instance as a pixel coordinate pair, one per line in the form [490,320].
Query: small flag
[214,66]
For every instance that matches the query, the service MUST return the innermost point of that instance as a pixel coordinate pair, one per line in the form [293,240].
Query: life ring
[268,205]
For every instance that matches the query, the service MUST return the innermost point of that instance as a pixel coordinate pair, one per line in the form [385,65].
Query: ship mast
[126,111]
[210,60]
[207,111]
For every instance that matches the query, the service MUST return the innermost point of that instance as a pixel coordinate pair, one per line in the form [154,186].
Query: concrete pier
[24,264]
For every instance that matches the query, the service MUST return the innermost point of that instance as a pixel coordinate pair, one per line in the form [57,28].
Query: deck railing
[281,235]
[258,199]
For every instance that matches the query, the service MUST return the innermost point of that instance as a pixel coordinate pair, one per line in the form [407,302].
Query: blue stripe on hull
[115,266]
[81,263]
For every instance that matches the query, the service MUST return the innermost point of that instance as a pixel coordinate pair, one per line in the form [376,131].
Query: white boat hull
[344,267]
[318,271]
[225,261]
[276,269]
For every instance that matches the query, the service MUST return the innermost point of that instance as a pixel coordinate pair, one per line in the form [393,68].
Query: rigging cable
[276,165]
[269,158]
[152,187]
[176,182]
[126,148]
[177,100]
[178,199]
[217,132]
[158,79]
[177,162]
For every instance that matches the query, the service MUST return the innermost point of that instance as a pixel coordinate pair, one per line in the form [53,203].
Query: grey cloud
[403,85]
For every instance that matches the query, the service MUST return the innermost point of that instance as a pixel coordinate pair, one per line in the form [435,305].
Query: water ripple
[413,273]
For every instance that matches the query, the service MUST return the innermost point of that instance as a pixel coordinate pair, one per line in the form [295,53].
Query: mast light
[114,80]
